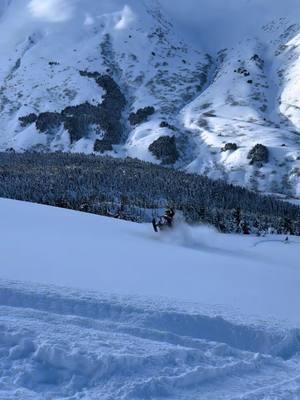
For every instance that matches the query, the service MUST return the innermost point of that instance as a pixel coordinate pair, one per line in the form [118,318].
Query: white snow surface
[97,308]
[193,82]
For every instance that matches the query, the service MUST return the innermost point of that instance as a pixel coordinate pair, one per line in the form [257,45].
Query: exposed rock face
[230,147]
[165,149]
[78,120]
[242,71]
[165,124]
[258,61]
[258,155]
[142,114]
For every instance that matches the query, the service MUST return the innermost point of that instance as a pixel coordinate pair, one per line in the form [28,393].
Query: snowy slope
[134,44]
[236,81]
[173,316]
[253,99]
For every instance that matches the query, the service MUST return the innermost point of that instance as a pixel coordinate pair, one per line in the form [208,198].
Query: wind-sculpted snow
[67,344]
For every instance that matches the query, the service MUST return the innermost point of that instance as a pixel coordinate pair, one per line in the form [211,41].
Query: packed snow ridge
[221,104]
[61,345]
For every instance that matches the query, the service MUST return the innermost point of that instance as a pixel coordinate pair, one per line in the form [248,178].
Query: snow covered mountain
[126,78]
[98,336]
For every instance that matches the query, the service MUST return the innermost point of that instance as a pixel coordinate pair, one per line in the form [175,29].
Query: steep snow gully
[66,344]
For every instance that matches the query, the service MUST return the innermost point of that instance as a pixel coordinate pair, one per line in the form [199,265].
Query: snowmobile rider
[168,217]
[165,220]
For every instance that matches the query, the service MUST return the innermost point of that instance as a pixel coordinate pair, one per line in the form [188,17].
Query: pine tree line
[135,190]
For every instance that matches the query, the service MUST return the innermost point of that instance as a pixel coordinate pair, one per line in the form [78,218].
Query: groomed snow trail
[67,344]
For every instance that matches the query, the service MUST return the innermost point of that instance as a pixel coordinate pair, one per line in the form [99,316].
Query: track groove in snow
[175,323]
[68,344]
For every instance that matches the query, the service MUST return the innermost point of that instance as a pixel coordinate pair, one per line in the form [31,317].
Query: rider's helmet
[170,212]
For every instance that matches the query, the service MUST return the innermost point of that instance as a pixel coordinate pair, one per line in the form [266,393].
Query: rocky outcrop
[141,115]
[165,149]
[165,124]
[242,71]
[258,155]
[258,61]
[230,147]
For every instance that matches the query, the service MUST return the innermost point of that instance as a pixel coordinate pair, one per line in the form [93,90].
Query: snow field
[154,316]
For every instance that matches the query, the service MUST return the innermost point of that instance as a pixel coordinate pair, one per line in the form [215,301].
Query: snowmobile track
[60,344]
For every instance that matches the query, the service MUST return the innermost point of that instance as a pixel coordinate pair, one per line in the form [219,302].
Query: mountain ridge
[215,107]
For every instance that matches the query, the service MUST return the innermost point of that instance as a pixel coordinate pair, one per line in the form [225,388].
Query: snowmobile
[165,221]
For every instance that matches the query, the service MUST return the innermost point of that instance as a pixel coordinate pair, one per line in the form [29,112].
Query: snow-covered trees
[133,189]
[165,149]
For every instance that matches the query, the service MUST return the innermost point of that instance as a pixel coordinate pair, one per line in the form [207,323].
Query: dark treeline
[133,190]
